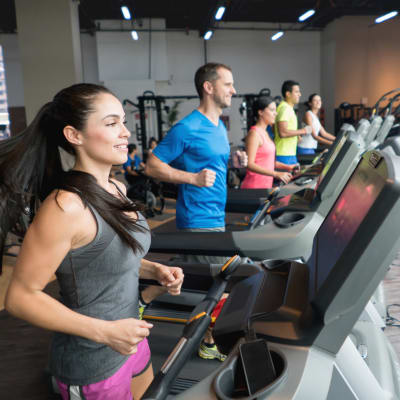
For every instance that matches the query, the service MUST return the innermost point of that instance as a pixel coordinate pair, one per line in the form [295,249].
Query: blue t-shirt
[134,164]
[193,144]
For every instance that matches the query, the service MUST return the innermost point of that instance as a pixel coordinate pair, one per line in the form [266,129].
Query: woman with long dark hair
[90,235]
[309,142]
[260,149]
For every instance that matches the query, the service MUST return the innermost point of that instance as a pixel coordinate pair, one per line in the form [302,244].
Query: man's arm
[284,132]
[164,172]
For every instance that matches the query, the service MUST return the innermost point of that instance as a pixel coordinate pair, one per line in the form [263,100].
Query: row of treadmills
[305,315]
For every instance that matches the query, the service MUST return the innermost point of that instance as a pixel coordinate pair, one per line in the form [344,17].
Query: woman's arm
[252,145]
[314,134]
[60,225]
[326,134]
[318,138]
[170,277]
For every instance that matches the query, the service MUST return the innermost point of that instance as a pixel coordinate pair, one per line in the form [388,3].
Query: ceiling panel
[198,15]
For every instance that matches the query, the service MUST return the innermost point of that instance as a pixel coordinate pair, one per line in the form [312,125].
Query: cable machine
[151,120]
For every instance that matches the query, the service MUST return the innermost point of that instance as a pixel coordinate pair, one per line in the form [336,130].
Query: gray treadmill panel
[331,181]
[346,216]
[383,132]
[344,131]
[375,126]
[346,265]
[392,143]
[331,160]
[329,294]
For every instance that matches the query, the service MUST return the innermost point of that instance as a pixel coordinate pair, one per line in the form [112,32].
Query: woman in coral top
[261,150]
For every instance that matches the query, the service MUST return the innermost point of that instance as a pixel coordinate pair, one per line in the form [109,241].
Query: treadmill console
[331,159]
[347,214]
[305,199]
[296,303]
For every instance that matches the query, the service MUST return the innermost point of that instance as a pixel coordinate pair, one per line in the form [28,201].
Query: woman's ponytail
[30,167]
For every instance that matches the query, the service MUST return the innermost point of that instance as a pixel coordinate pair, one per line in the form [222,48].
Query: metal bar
[142,112]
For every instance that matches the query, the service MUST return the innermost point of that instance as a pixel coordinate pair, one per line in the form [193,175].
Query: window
[4,116]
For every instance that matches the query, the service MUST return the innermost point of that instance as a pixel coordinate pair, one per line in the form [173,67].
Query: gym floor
[23,347]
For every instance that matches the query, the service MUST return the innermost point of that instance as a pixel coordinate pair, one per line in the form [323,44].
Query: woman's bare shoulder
[63,203]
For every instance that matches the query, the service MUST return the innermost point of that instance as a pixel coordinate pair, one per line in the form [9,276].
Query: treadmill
[248,200]
[388,120]
[291,329]
[289,235]
[284,230]
[369,134]
[391,144]
[290,231]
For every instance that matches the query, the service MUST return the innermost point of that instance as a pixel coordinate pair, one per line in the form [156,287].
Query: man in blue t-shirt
[198,148]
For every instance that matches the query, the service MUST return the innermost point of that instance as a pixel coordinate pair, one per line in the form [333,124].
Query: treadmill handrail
[194,243]
[192,334]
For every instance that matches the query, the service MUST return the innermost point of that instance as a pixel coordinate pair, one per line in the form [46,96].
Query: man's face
[223,88]
[294,96]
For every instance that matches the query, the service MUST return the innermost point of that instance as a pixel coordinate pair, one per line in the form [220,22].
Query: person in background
[286,125]
[132,164]
[309,142]
[198,147]
[260,150]
[90,235]
[152,144]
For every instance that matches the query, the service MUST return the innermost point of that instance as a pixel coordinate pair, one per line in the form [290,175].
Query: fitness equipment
[149,192]
[383,132]
[193,331]
[376,123]
[296,218]
[391,144]
[310,175]
[351,114]
[289,235]
[306,313]
[248,200]
[395,130]
[388,121]
[330,182]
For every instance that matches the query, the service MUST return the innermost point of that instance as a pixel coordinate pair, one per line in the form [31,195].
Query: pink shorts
[117,386]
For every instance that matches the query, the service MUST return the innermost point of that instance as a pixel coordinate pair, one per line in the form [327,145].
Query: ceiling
[198,15]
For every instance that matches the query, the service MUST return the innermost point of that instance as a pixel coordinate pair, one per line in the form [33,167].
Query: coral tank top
[265,157]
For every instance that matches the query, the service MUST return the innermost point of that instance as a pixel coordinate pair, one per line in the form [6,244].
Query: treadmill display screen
[346,216]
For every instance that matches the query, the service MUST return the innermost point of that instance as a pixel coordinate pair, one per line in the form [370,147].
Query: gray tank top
[99,280]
